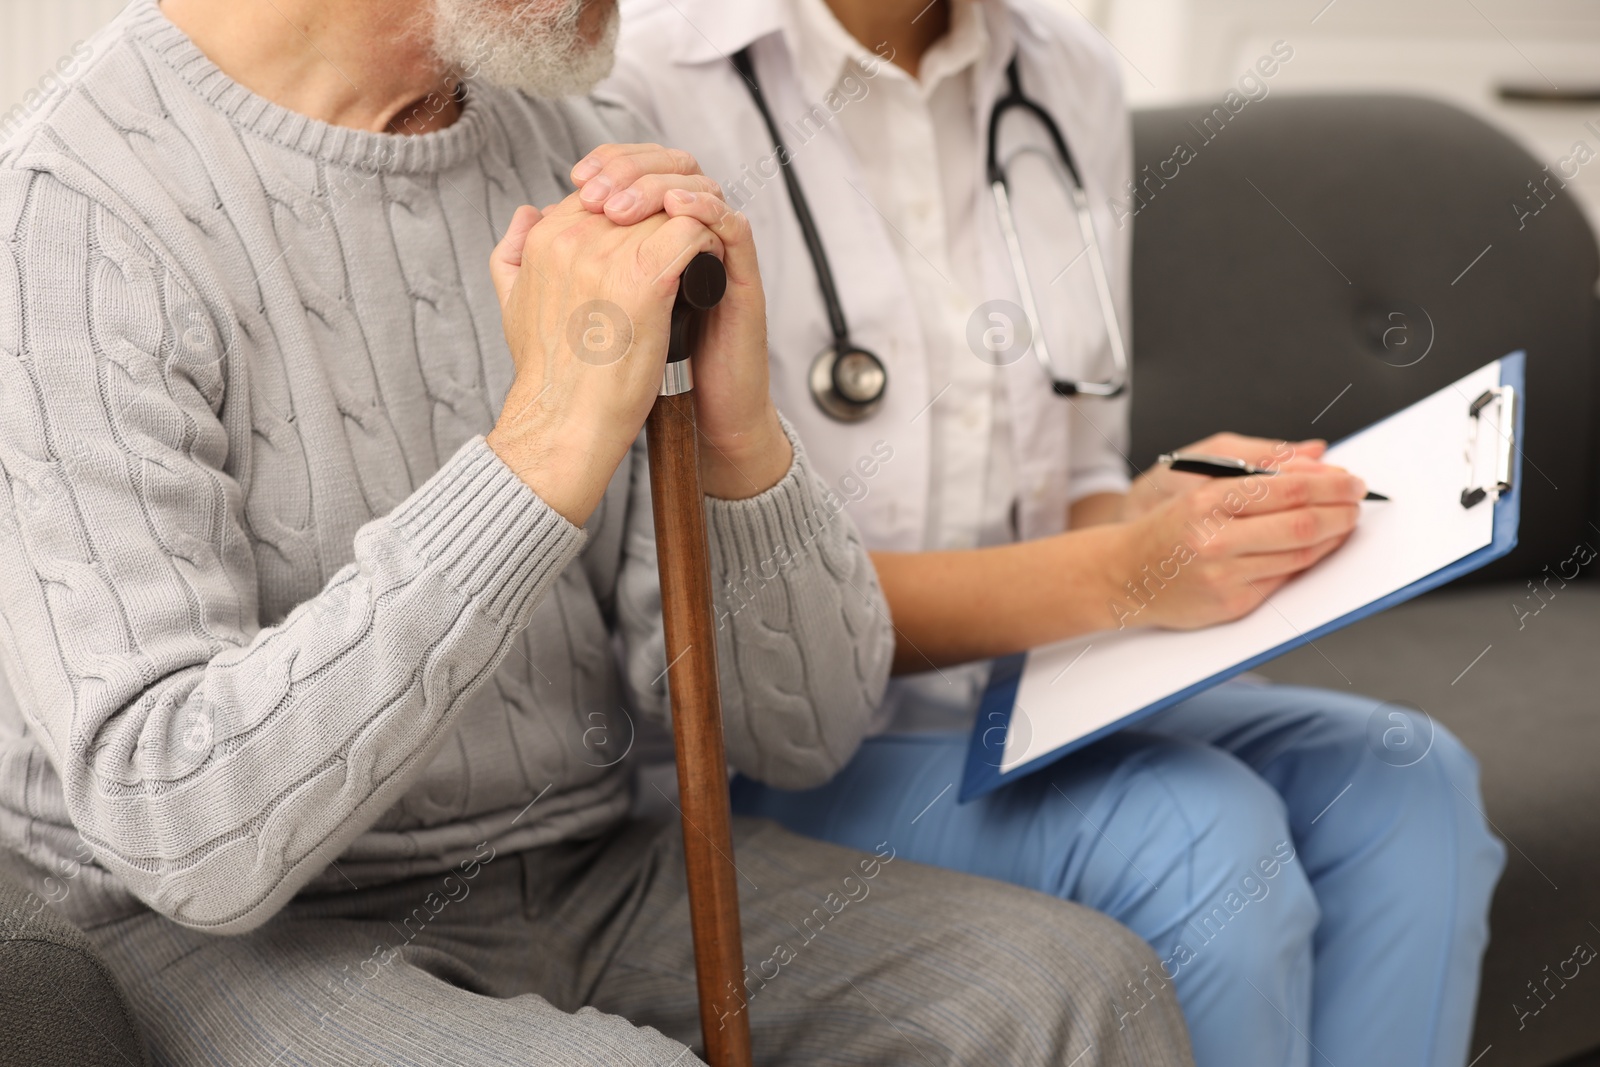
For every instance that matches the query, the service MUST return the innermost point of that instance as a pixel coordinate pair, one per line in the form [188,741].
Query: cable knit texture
[267,599]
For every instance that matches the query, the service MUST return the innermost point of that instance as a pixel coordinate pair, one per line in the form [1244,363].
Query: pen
[1222,467]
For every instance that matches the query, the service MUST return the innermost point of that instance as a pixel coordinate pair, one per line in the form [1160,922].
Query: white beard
[532,45]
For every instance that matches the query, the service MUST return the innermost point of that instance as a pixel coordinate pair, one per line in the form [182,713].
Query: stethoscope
[847,381]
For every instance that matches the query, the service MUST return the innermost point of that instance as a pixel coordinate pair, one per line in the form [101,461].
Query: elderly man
[304,644]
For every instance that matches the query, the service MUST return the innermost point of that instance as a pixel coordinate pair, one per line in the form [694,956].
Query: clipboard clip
[1504,398]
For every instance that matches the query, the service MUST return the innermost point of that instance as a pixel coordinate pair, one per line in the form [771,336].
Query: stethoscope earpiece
[849,386]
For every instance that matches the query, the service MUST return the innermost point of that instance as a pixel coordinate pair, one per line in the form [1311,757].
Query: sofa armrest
[59,1004]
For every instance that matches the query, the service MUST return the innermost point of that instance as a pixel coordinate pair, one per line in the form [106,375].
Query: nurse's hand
[1215,552]
[744,450]
[1160,483]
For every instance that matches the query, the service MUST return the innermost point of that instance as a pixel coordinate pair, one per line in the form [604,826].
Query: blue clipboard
[987,747]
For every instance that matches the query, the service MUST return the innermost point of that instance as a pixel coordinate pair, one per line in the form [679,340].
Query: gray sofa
[1266,274]
[59,1005]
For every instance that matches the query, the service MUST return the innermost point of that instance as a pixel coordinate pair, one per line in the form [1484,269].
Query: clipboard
[1007,745]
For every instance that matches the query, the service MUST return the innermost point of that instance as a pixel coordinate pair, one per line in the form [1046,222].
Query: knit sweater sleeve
[804,641]
[215,765]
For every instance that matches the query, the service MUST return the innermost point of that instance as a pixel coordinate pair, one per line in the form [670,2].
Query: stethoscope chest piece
[848,384]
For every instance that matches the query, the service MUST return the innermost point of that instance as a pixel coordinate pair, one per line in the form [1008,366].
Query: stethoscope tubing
[840,408]
[802,208]
[1000,187]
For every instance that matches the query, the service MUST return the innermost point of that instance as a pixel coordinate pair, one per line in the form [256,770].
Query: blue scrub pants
[1313,868]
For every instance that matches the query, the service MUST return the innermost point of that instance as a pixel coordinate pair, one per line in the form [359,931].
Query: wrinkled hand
[1211,553]
[743,449]
[585,304]
[586,290]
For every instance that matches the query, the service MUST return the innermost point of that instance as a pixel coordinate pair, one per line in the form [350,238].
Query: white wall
[1463,51]
[34,34]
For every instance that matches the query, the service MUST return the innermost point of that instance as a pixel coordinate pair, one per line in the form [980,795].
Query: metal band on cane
[677,378]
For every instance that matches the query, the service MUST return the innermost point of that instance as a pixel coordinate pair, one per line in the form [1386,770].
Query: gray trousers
[579,954]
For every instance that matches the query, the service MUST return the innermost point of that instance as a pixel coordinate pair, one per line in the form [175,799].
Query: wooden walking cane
[692,678]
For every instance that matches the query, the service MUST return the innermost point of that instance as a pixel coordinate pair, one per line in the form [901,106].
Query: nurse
[1313,898]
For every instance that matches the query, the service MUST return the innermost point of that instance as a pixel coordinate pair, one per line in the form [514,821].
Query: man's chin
[545,53]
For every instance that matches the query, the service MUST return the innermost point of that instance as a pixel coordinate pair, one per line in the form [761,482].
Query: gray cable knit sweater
[267,599]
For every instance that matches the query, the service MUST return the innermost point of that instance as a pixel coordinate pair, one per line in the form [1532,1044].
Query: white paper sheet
[1418,458]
